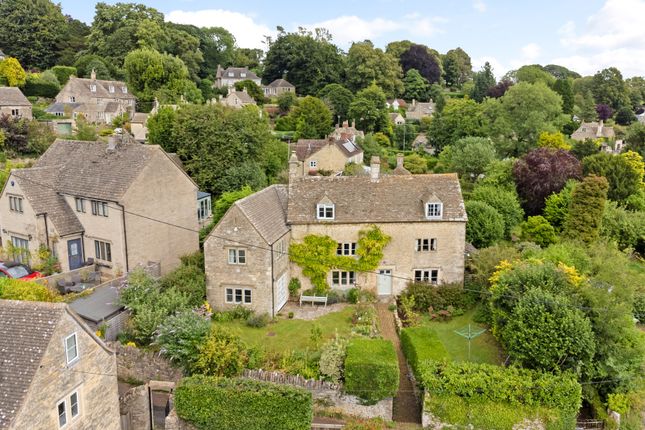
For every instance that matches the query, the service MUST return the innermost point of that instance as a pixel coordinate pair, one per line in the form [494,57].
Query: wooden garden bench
[313,299]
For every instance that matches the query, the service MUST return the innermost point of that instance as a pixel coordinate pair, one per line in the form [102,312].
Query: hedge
[371,369]
[509,385]
[212,403]
[421,344]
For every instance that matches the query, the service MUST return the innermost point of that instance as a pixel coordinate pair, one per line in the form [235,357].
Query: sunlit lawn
[286,334]
[484,348]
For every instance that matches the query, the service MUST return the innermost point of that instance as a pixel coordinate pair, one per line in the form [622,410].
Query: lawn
[286,334]
[484,348]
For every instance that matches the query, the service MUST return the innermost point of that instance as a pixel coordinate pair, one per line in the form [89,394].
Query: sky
[583,35]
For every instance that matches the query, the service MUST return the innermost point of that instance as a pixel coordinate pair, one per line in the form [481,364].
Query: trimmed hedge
[371,369]
[212,403]
[510,385]
[419,345]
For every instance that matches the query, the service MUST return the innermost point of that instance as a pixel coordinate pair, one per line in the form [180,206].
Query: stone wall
[141,365]
[135,409]
[173,422]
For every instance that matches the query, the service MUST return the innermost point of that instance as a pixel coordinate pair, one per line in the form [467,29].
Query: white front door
[282,292]
[384,282]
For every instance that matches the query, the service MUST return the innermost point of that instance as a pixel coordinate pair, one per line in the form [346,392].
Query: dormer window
[124,90]
[72,99]
[93,88]
[111,88]
[231,74]
[434,210]
[325,211]
[243,75]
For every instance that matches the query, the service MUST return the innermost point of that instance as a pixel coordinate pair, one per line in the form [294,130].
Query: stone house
[238,99]
[346,131]
[204,208]
[14,103]
[139,127]
[419,110]
[99,101]
[246,254]
[424,215]
[227,78]
[327,155]
[278,87]
[395,104]
[593,130]
[55,372]
[396,118]
[120,204]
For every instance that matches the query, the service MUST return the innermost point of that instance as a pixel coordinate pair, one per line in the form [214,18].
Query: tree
[564,88]
[560,72]
[609,88]
[459,118]
[556,207]
[585,107]
[368,109]
[63,73]
[586,209]
[625,116]
[34,29]
[338,99]
[636,90]
[584,148]
[624,180]
[546,332]
[415,164]
[484,81]
[469,156]
[500,89]
[537,229]
[85,130]
[422,59]
[15,132]
[366,65]
[252,88]
[404,135]
[552,140]
[624,227]
[534,74]
[307,60]
[312,118]
[43,84]
[40,136]
[180,336]
[286,100]
[505,202]
[72,41]
[397,48]
[161,129]
[86,63]
[542,172]
[11,73]
[416,86]
[485,225]
[636,138]
[604,112]
[457,67]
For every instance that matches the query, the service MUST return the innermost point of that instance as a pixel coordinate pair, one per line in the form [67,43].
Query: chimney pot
[375,168]
[93,74]
[399,160]
[293,166]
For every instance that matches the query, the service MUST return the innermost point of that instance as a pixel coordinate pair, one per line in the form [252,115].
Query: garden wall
[327,394]
[141,365]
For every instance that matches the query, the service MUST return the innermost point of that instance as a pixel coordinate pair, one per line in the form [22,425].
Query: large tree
[312,118]
[534,74]
[624,179]
[542,172]
[564,88]
[30,30]
[469,156]
[636,138]
[459,118]
[609,88]
[11,73]
[368,109]
[586,209]
[307,60]
[73,40]
[484,81]
[457,67]
[503,201]
[338,98]
[421,58]
[366,64]
[416,86]
[485,225]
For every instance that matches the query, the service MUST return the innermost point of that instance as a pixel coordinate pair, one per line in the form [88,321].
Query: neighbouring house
[204,209]
[98,101]
[326,155]
[246,254]
[139,127]
[419,110]
[120,204]
[14,103]
[346,131]
[227,78]
[425,216]
[238,99]
[56,373]
[396,104]
[422,142]
[278,87]
[396,118]
[593,130]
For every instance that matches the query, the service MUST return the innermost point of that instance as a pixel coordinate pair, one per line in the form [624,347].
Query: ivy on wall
[316,255]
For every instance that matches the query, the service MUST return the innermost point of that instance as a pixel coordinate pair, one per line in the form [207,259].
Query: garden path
[406,406]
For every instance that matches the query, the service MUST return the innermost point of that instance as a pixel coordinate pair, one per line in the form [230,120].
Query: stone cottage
[423,214]
[14,103]
[277,87]
[418,110]
[238,99]
[327,155]
[119,204]
[227,78]
[593,130]
[55,372]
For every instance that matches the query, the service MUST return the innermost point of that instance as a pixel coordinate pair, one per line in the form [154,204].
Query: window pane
[247,296]
[62,417]
[335,278]
[241,256]
[97,249]
[238,296]
[351,277]
[108,252]
[229,295]
[73,401]
[433,244]
[232,256]
[71,351]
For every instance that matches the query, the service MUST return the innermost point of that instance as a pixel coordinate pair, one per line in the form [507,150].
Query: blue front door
[74,253]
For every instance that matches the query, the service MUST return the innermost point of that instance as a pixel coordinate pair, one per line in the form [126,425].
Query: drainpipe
[272,286]
[125,237]
[46,231]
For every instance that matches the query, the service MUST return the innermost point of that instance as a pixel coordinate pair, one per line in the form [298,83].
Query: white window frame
[111,88]
[15,204]
[346,248]
[313,164]
[245,296]
[78,404]
[430,276]
[344,278]
[99,208]
[124,90]
[64,414]
[434,210]
[237,256]
[280,249]
[426,245]
[103,250]
[325,211]
[77,356]
[80,204]
[93,88]
[72,99]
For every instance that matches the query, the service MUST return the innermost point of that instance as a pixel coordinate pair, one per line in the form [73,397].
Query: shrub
[371,369]
[438,297]
[63,73]
[258,321]
[364,320]
[221,354]
[188,279]
[352,295]
[485,225]
[294,287]
[42,85]
[332,359]
[13,289]
[419,345]
[180,336]
[239,312]
[503,201]
[538,230]
[586,209]
[233,404]
[290,315]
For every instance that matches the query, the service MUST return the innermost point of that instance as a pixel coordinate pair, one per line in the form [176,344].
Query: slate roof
[12,96]
[139,118]
[359,199]
[60,107]
[237,73]
[281,83]
[422,108]
[244,97]
[266,210]
[590,130]
[100,305]
[25,332]
[306,147]
[81,87]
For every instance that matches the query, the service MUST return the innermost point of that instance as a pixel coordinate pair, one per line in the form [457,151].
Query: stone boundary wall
[137,364]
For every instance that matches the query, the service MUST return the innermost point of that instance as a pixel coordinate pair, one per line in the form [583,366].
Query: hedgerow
[371,369]
[212,403]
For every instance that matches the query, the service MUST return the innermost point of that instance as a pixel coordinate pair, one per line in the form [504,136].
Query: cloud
[479,6]
[247,32]
[498,68]
[613,36]
[349,28]
[531,51]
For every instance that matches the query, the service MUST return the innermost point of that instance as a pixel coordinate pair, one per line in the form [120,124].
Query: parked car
[14,270]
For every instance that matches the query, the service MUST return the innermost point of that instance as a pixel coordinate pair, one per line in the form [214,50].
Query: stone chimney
[600,126]
[293,166]
[414,102]
[399,160]
[113,143]
[345,124]
[93,75]
[353,123]
[375,168]
[244,90]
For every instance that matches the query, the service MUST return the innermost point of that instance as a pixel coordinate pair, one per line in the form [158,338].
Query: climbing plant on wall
[316,255]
